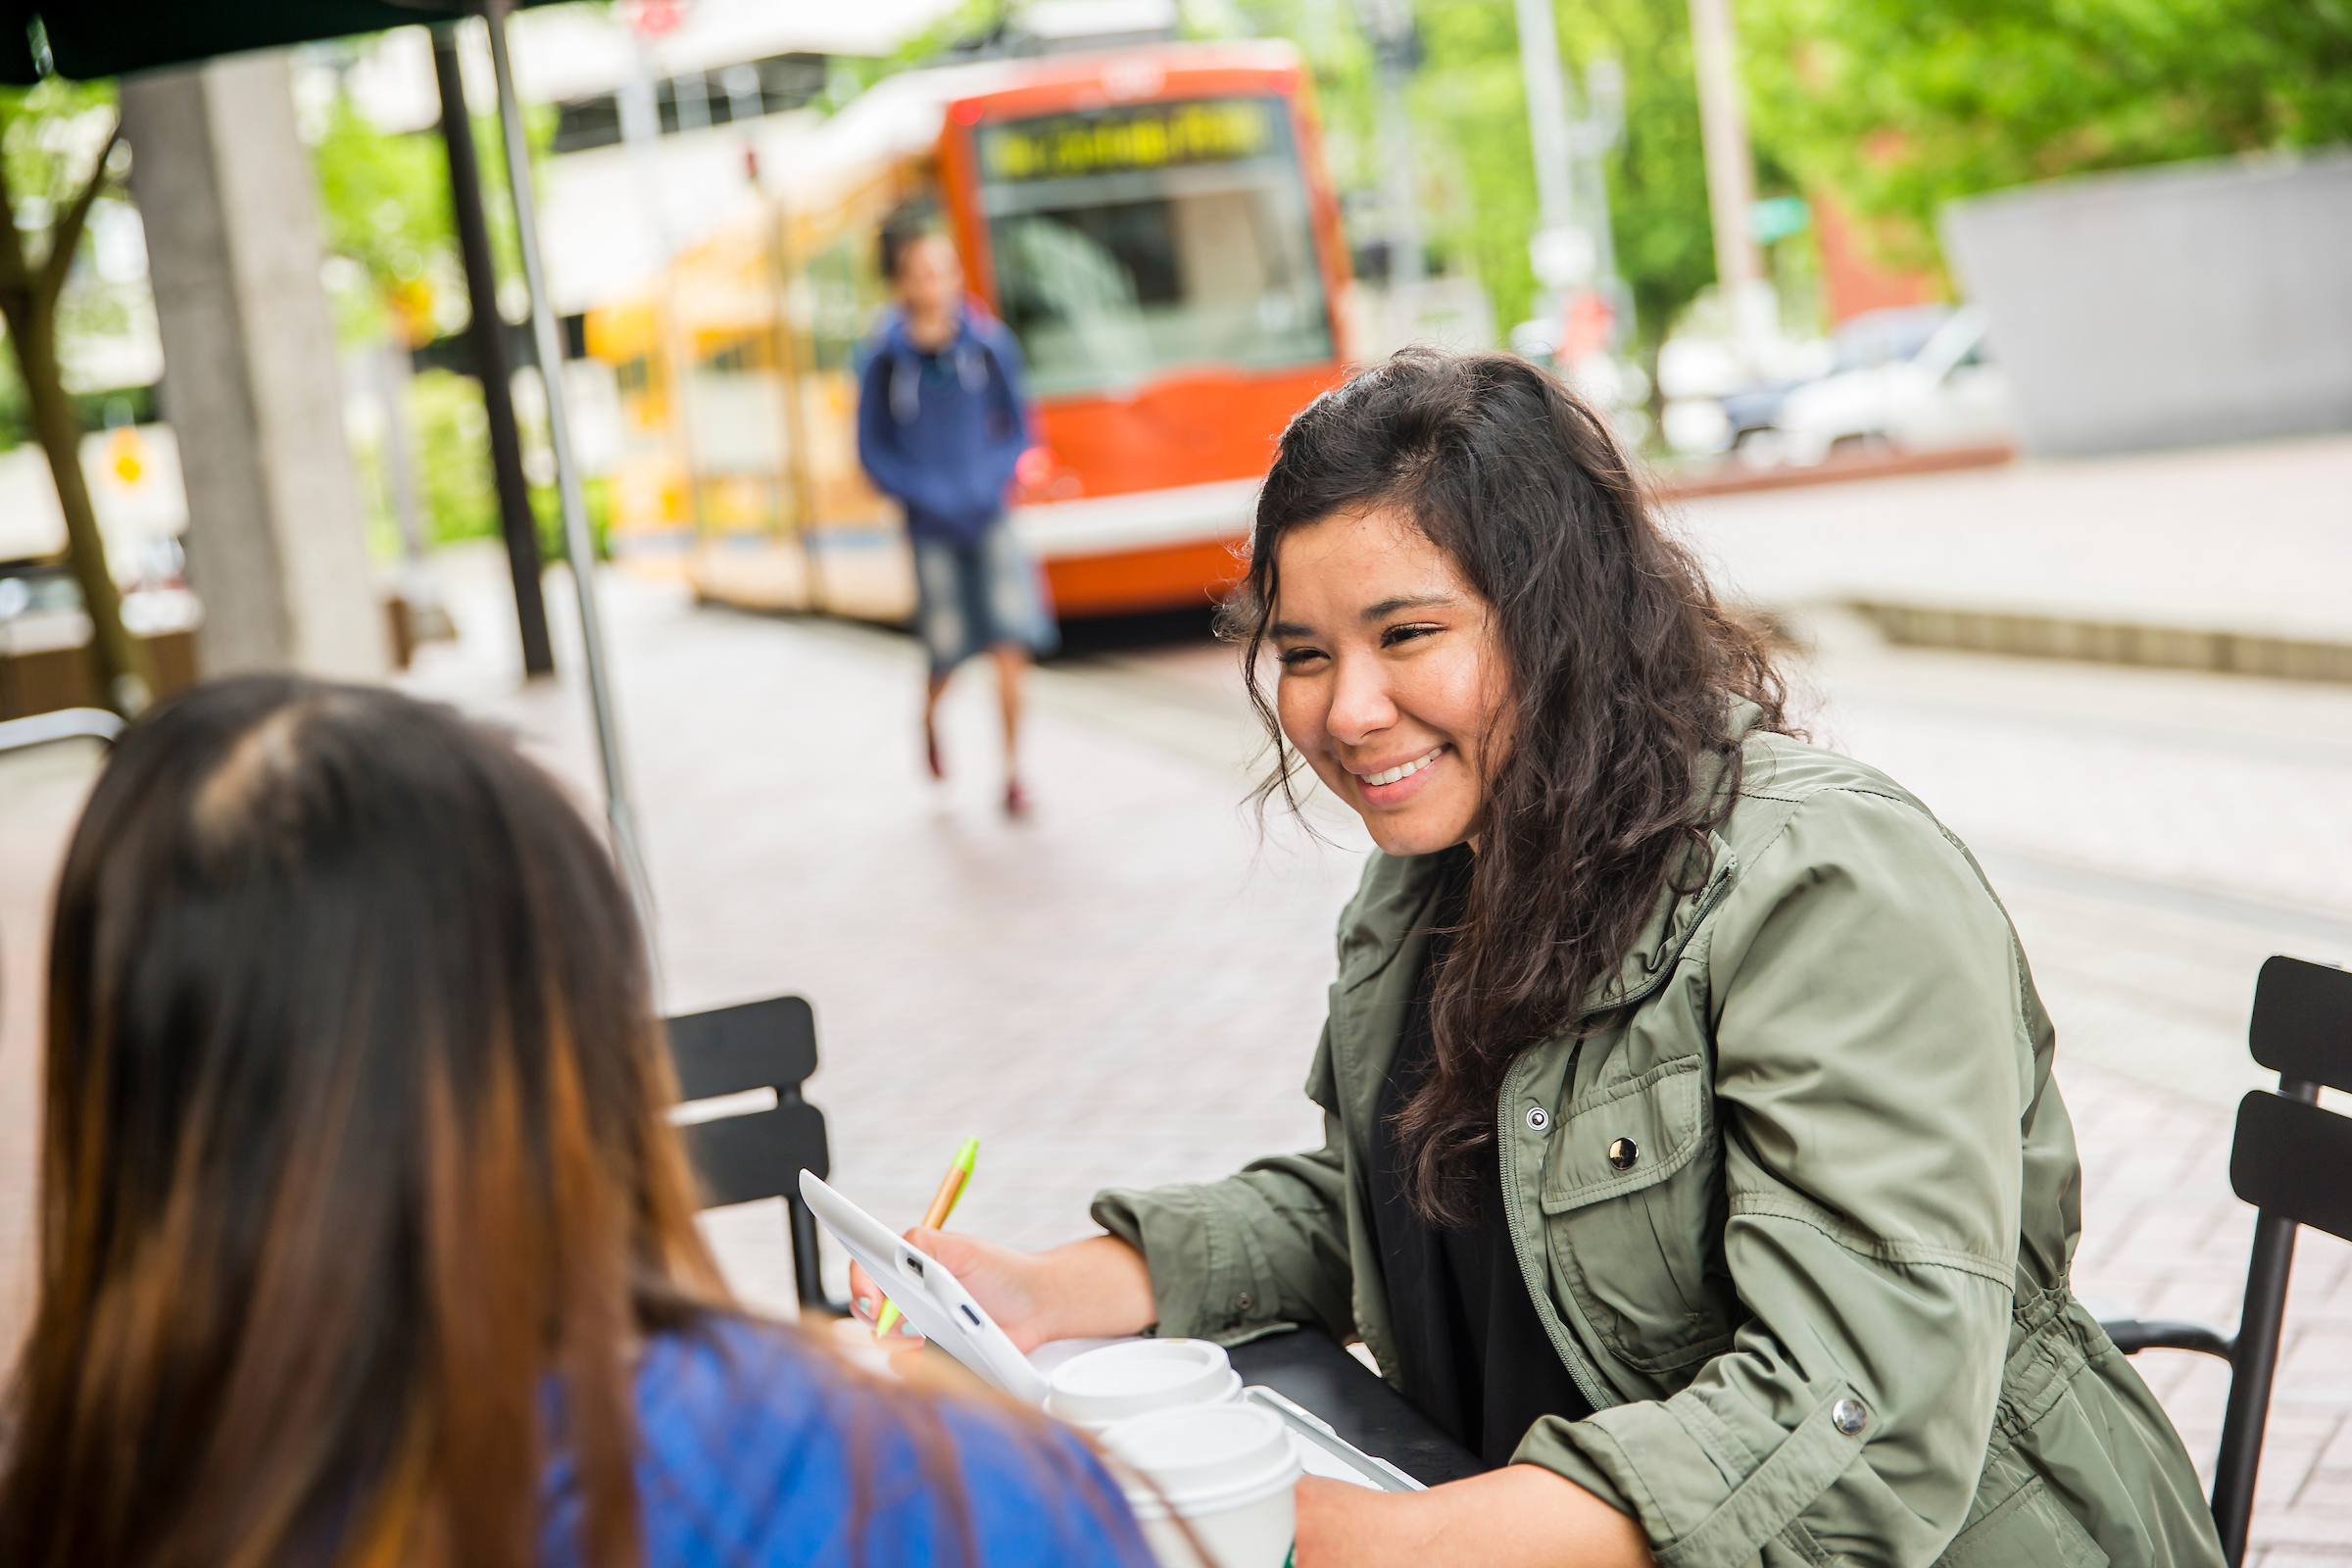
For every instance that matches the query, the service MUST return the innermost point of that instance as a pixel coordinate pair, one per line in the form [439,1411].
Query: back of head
[354,1172]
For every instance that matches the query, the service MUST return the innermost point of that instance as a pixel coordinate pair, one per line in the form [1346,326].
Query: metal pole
[1546,112]
[1595,135]
[1731,176]
[2254,1364]
[1396,50]
[549,339]
[488,335]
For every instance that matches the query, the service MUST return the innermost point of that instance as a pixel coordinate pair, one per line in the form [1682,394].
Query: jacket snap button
[1538,1118]
[1623,1152]
[1241,1302]
[1849,1416]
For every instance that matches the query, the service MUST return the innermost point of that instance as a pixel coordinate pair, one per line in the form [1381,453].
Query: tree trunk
[123,669]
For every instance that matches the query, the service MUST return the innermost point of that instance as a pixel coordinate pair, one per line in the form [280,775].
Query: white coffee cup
[1226,1470]
[1119,1382]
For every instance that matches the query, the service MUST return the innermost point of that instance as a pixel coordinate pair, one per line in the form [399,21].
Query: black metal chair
[2293,1162]
[757,1154]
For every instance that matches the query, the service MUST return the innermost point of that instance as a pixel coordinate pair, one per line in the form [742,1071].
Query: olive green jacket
[1797,1217]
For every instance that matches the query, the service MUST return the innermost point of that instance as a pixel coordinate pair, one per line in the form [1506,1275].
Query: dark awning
[89,38]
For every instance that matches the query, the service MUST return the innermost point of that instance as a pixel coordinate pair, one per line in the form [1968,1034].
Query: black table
[1307,1367]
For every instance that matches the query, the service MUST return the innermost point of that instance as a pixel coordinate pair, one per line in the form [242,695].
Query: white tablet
[941,1309]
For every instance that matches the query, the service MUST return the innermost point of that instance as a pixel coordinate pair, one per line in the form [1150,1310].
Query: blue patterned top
[747,1442]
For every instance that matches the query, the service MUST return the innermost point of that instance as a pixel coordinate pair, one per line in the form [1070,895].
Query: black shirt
[1471,1352]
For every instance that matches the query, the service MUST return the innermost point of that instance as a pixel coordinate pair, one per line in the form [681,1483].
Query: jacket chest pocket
[1632,1217]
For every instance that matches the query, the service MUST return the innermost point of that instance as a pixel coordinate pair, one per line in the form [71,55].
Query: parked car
[1947,392]
[1861,342]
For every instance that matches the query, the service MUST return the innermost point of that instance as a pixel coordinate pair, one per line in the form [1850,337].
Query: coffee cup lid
[1120,1380]
[1206,1457]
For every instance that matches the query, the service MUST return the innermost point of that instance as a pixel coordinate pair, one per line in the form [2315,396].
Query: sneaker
[1016,799]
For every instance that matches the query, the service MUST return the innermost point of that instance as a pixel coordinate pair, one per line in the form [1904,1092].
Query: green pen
[942,1203]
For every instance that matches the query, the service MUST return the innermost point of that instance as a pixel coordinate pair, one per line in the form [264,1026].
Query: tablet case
[941,1309]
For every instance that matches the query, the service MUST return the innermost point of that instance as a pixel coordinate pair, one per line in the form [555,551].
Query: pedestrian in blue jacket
[941,422]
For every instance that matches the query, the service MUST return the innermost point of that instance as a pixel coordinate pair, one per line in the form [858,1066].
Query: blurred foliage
[451,433]
[964,24]
[1898,106]
[395,270]
[383,202]
[595,499]
[1470,92]
[1477,167]
[385,206]
[451,437]
[48,135]
[15,411]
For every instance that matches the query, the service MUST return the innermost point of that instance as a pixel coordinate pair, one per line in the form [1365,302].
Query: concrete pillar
[275,539]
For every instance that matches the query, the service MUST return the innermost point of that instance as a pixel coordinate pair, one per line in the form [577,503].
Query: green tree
[384,201]
[1899,106]
[1471,98]
[59,145]
[1478,162]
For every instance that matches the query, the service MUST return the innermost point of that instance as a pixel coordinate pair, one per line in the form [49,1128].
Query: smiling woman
[1452,554]
[1691,1150]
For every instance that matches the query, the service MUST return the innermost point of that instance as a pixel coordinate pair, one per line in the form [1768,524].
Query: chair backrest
[2302,1025]
[2292,1158]
[727,1051]
[2293,1161]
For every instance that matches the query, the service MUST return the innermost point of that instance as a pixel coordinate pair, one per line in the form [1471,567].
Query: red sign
[1588,325]
[652,19]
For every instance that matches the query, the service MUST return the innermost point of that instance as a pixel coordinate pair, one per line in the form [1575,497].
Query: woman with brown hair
[363,1241]
[1693,1153]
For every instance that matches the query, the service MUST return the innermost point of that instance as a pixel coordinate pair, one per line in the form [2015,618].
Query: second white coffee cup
[1226,1471]
[1120,1382]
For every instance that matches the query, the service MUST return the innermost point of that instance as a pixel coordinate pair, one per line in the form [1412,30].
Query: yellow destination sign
[1117,142]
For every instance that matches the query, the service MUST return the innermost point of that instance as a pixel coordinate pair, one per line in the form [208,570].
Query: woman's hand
[1098,1288]
[1519,1515]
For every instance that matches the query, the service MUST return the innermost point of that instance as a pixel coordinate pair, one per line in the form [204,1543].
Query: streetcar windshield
[1132,240]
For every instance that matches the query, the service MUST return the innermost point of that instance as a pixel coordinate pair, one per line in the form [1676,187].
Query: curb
[1689,486]
[2105,642]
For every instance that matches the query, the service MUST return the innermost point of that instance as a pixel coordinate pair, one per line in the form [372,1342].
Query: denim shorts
[970,598]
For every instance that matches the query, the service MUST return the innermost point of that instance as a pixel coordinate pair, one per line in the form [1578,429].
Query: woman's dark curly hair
[1622,666]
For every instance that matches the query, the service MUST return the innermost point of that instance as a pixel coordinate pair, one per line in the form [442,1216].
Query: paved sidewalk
[2253,539]
[1128,987]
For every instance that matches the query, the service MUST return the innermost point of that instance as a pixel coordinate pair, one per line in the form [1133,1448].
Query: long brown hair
[353,1154]
[1622,664]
